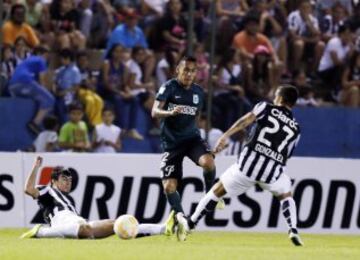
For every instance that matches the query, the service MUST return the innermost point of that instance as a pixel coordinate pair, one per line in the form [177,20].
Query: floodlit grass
[202,245]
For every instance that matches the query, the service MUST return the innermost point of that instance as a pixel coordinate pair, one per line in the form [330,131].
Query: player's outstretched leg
[206,204]
[209,173]
[288,208]
[32,232]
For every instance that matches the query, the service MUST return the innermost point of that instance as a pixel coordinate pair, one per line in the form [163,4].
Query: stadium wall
[326,132]
[326,191]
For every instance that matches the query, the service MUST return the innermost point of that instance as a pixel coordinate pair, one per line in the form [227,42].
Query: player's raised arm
[158,110]
[239,125]
[30,181]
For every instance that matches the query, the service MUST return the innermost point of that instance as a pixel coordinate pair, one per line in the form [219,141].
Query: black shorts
[171,161]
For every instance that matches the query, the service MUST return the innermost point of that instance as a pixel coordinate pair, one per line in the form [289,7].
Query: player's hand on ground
[176,111]
[38,161]
[221,144]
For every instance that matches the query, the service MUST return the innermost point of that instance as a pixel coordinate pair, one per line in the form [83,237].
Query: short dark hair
[66,53]
[81,54]
[289,94]
[14,7]
[137,49]
[75,106]
[187,59]
[59,170]
[343,27]
[50,122]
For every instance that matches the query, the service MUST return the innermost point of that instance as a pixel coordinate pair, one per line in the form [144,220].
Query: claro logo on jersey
[285,119]
[186,110]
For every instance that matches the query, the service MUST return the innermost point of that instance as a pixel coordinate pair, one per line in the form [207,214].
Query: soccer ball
[126,227]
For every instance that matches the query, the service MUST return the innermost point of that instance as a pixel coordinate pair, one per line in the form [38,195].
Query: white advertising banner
[106,186]
[11,190]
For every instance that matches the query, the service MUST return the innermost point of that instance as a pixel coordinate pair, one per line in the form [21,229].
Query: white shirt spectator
[107,133]
[157,5]
[214,135]
[334,45]
[135,69]
[226,76]
[44,138]
[160,73]
[297,24]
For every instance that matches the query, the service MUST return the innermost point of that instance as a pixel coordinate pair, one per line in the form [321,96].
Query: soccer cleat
[295,237]
[182,227]
[32,232]
[170,224]
[221,204]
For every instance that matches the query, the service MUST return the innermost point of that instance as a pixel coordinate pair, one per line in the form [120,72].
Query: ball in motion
[126,227]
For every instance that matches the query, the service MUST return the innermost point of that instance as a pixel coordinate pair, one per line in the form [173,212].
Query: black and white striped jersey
[52,200]
[270,144]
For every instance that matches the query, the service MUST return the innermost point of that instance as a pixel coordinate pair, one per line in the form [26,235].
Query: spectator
[230,13]
[272,25]
[65,24]
[130,35]
[115,83]
[67,82]
[170,30]
[213,133]
[165,68]
[331,22]
[86,16]
[8,63]
[306,91]
[28,81]
[74,134]
[350,93]
[107,136]
[87,92]
[34,11]
[203,65]
[305,36]
[333,60]
[102,22]
[251,43]
[229,95]
[47,140]
[17,26]
[21,50]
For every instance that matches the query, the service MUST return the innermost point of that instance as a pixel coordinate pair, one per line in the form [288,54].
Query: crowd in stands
[91,65]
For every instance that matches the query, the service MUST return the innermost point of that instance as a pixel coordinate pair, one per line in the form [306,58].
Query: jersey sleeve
[163,93]
[259,109]
[43,191]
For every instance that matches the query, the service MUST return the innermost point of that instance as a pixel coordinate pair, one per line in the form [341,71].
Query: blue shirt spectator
[128,34]
[29,70]
[67,78]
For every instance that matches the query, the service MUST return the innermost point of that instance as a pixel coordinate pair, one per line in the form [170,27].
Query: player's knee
[207,162]
[85,231]
[169,186]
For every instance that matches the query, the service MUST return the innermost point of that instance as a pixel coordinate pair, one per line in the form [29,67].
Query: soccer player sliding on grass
[60,213]
[262,161]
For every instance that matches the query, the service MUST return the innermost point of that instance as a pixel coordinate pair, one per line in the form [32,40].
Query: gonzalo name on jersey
[186,110]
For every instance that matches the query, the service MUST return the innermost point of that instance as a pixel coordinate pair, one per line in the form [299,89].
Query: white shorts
[236,183]
[67,223]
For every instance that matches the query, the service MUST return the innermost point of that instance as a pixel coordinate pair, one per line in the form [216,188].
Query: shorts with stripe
[236,182]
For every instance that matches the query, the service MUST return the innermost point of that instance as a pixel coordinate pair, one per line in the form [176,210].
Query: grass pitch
[202,245]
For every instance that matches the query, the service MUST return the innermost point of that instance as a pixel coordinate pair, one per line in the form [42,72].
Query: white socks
[288,208]
[151,229]
[206,204]
[66,231]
